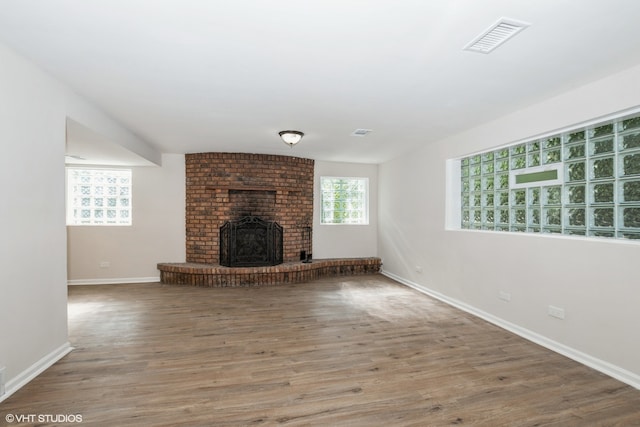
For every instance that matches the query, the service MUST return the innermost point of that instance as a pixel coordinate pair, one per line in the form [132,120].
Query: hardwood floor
[357,351]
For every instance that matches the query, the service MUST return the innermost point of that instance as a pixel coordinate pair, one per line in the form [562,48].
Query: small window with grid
[98,196]
[344,200]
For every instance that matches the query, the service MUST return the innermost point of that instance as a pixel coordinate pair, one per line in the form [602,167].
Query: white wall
[33,292]
[345,241]
[157,234]
[33,317]
[597,282]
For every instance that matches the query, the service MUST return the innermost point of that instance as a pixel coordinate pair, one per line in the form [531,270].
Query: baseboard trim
[114,281]
[36,369]
[599,365]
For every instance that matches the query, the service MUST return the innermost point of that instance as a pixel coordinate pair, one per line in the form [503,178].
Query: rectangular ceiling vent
[361,132]
[495,35]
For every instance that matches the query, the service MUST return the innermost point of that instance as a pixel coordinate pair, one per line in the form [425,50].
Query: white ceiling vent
[361,132]
[495,35]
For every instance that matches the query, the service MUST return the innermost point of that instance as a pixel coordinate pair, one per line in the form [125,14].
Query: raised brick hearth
[216,276]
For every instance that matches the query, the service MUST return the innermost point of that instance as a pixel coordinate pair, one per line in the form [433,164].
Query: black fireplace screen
[250,242]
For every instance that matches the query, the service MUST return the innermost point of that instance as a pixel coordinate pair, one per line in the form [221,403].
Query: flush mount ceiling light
[496,35]
[291,137]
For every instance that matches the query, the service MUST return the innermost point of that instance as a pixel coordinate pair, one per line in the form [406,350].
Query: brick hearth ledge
[217,276]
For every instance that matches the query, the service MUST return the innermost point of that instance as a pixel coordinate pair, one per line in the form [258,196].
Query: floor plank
[357,351]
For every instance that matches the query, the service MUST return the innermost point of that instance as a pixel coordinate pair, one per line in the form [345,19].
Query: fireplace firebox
[250,242]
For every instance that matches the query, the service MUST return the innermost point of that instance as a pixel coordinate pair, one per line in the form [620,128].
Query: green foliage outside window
[344,200]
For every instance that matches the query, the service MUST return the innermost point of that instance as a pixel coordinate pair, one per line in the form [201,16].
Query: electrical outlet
[2,380]
[105,264]
[556,312]
[504,296]
[418,269]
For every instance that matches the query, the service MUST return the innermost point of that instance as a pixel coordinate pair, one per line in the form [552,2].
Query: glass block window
[582,182]
[98,196]
[344,200]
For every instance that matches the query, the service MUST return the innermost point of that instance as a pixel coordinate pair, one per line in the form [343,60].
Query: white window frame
[97,202]
[514,173]
[364,219]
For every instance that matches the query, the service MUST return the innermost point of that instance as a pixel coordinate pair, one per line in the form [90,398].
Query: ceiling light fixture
[291,137]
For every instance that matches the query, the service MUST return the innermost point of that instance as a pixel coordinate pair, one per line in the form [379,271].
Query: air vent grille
[496,35]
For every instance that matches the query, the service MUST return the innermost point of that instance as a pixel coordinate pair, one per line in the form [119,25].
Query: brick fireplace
[223,187]
[237,187]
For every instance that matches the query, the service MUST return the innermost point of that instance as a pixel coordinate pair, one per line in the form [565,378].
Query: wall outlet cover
[2,391]
[556,312]
[504,296]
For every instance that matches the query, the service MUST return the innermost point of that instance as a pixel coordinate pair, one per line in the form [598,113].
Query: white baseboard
[36,369]
[115,281]
[606,368]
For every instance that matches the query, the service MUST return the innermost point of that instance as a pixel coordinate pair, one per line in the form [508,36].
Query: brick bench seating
[217,276]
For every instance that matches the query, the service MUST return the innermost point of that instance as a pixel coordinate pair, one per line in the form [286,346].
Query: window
[98,196]
[582,182]
[344,200]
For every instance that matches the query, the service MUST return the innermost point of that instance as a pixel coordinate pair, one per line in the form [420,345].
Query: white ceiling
[214,75]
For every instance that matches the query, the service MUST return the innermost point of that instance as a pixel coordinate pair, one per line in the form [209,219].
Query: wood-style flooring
[357,351]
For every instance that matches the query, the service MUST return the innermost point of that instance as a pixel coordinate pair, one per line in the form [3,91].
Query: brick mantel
[221,186]
[240,188]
